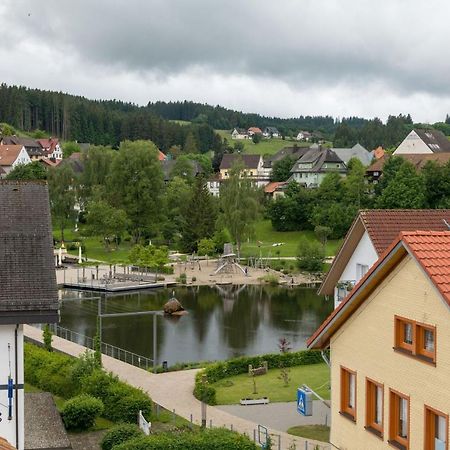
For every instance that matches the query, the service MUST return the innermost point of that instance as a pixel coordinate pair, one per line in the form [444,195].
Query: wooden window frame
[394,438]
[416,349]
[345,410]
[371,391]
[429,426]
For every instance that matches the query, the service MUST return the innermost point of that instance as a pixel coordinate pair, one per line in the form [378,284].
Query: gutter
[16,385]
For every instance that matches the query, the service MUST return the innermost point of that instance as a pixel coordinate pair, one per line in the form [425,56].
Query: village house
[271,132]
[371,233]
[424,141]
[304,136]
[375,171]
[11,156]
[51,147]
[28,293]
[389,344]
[254,130]
[311,168]
[169,164]
[357,151]
[32,146]
[239,133]
[294,152]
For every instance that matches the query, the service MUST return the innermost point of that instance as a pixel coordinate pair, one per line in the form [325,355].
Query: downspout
[325,358]
[16,370]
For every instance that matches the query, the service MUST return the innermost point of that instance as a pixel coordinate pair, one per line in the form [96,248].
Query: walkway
[173,391]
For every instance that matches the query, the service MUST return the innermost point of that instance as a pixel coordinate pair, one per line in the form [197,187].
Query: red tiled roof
[379,152]
[272,186]
[161,156]
[383,225]
[9,153]
[255,130]
[430,248]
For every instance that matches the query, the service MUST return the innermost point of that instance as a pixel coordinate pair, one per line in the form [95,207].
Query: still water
[222,321]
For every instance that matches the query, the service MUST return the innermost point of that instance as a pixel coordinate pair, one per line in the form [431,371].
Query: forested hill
[98,122]
[222,118]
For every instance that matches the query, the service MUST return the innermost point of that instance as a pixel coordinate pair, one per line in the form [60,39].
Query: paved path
[280,415]
[173,391]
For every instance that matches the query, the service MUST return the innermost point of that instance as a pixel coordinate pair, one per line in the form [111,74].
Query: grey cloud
[304,43]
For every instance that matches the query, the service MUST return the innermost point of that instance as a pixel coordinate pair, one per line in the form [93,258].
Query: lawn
[267,235]
[265,147]
[230,390]
[95,248]
[316,432]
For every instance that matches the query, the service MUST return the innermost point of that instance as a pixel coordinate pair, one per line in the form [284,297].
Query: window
[374,407]
[348,393]
[416,339]
[361,270]
[399,420]
[436,429]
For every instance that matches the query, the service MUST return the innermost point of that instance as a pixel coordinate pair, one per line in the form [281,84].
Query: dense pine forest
[76,118]
[108,122]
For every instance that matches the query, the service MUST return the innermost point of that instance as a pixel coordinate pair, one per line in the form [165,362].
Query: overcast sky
[274,57]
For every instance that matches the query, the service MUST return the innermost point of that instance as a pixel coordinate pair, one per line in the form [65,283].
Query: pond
[222,321]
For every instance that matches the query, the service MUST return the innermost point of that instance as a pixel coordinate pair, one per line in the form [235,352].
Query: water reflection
[223,321]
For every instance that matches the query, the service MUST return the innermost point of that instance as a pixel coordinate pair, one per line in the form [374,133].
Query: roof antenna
[446,223]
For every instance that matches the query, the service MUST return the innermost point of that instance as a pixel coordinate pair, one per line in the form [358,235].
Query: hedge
[223,369]
[61,375]
[214,439]
[119,434]
[79,412]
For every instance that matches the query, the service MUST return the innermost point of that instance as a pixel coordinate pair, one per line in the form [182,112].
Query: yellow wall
[365,344]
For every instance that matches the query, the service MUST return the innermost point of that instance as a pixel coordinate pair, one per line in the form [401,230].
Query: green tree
[281,170]
[206,247]
[190,144]
[32,171]
[6,129]
[322,233]
[62,190]
[257,138]
[183,168]
[135,184]
[239,205]
[201,214]
[106,221]
[437,184]
[310,255]
[178,196]
[406,190]
[354,185]
[69,148]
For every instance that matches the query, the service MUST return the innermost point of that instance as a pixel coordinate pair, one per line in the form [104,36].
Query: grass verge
[316,432]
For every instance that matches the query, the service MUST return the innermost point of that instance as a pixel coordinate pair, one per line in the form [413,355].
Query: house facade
[11,156]
[423,141]
[390,350]
[311,168]
[271,132]
[304,136]
[51,148]
[239,133]
[28,292]
[370,234]
[32,146]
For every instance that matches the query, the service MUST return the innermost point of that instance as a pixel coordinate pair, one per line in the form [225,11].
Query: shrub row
[66,377]
[79,412]
[215,439]
[119,434]
[223,369]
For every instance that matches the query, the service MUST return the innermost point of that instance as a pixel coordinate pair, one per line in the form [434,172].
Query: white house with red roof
[11,156]
[371,233]
[51,147]
[389,342]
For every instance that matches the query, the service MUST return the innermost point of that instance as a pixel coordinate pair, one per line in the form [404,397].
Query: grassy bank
[290,239]
[230,390]
[316,432]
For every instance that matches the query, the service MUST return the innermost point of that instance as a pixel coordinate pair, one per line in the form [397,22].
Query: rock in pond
[173,307]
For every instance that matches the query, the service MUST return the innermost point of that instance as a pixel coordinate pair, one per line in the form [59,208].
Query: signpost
[304,401]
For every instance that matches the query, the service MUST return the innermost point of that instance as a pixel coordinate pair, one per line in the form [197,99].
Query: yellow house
[390,350]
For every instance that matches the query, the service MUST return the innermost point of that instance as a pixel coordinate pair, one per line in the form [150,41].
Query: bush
[223,369]
[206,246]
[79,412]
[84,366]
[119,434]
[214,439]
[182,278]
[50,372]
[310,255]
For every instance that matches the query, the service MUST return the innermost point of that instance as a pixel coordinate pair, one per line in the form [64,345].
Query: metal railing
[107,349]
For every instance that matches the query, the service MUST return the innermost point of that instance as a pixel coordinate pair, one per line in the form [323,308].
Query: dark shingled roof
[434,139]
[249,161]
[28,292]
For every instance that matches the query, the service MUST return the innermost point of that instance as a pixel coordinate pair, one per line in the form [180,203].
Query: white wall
[23,158]
[364,254]
[412,144]
[8,427]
